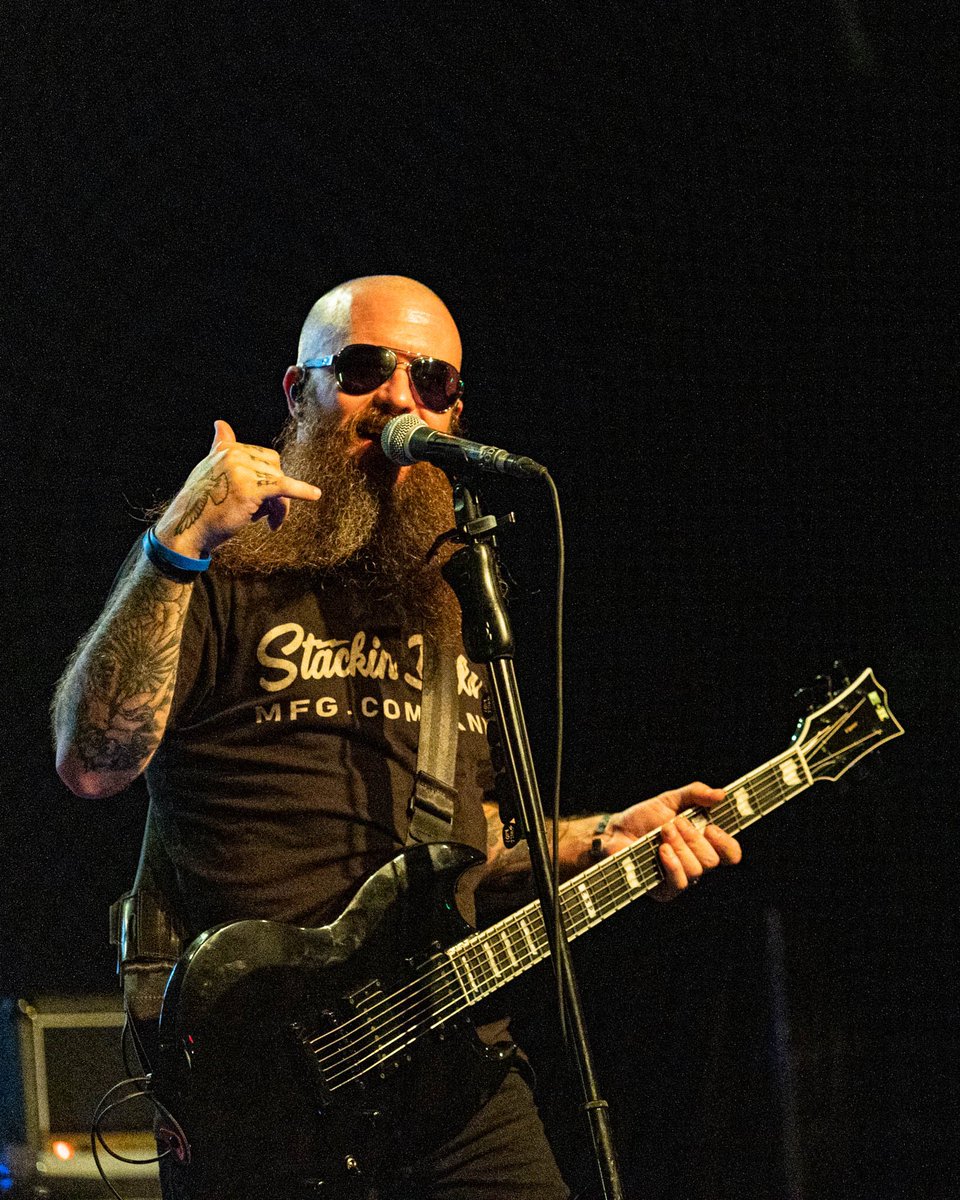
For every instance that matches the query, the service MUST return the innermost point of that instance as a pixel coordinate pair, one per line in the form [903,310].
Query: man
[274,699]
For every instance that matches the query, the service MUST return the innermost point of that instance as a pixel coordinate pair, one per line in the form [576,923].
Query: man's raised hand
[235,484]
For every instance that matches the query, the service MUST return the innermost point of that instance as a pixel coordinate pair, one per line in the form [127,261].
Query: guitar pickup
[302,1040]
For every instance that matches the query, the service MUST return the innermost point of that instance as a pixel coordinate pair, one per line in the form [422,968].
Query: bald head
[383,310]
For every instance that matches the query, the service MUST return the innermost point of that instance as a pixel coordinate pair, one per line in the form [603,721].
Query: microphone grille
[396,434]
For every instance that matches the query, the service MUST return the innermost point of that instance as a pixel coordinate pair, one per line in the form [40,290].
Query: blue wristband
[169,563]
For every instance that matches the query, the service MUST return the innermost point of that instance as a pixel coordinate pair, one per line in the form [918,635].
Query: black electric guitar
[300,1059]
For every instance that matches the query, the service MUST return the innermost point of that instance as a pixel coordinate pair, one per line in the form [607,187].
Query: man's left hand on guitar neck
[685,852]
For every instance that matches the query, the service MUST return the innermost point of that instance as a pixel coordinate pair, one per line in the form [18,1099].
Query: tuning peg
[824,687]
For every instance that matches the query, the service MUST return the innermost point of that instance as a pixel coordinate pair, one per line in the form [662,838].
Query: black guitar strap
[434,794]
[148,936]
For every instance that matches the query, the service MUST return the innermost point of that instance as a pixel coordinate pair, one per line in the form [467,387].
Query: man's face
[405,321]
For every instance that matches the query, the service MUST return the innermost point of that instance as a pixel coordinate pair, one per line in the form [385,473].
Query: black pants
[501,1153]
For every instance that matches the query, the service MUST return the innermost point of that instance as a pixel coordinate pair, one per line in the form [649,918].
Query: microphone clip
[471,532]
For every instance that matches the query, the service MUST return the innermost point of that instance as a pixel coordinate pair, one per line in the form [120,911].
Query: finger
[277,509]
[274,508]
[727,847]
[674,876]
[691,864]
[297,489]
[263,454]
[694,795]
[706,854]
[269,484]
[223,436]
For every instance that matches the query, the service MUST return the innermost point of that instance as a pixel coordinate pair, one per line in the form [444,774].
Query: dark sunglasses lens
[364,368]
[437,383]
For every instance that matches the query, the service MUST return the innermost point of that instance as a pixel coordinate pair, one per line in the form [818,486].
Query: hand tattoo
[215,489]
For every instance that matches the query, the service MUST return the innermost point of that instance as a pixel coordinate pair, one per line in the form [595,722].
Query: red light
[63,1150]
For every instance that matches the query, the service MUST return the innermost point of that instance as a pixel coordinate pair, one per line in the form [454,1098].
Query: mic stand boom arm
[474,575]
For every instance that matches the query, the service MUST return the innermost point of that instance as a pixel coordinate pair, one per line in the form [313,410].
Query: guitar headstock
[848,726]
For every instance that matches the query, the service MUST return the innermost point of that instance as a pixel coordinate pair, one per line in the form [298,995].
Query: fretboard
[488,960]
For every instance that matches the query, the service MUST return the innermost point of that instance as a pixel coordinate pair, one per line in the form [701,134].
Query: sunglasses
[360,368]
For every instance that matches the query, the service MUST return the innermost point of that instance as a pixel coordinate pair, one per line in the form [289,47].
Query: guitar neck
[828,742]
[488,960]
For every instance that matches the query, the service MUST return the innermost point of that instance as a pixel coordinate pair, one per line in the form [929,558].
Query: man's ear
[292,382]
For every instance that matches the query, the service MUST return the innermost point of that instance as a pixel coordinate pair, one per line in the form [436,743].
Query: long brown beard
[367,531]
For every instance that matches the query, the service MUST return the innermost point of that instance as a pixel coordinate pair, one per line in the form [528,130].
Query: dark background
[701,263]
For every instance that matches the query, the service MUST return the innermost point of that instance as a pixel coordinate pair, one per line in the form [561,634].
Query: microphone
[406,439]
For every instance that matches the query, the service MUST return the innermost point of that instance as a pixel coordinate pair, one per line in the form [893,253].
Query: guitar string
[349,1068]
[607,898]
[469,944]
[457,1002]
[759,796]
[476,964]
[356,1069]
[717,815]
[570,896]
[615,896]
[483,971]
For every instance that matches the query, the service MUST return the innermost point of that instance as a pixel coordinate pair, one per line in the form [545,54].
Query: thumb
[223,436]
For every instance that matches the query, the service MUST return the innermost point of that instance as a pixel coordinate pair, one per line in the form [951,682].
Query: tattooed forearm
[112,704]
[507,878]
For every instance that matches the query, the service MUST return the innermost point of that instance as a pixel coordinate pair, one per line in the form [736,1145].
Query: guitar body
[283,1067]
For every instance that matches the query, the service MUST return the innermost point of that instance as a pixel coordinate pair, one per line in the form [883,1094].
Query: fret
[465,978]
[574,921]
[591,909]
[633,880]
[522,922]
[504,938]
[491,957]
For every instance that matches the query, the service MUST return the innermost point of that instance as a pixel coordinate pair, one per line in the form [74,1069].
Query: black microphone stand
[473,573]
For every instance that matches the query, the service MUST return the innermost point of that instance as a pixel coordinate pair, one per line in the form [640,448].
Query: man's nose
[397,392]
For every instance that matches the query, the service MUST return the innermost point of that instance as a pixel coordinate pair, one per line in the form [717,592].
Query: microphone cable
[558,748]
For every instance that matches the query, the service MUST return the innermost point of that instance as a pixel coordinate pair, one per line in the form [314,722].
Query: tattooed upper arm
[112,704]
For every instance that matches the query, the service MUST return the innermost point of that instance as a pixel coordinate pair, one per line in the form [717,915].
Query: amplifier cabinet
[58,1057]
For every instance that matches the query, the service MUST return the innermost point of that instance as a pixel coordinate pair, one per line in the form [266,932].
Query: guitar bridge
[348,1048]
[302,1040]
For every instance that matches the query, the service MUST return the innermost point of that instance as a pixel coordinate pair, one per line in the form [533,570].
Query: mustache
[370,424]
